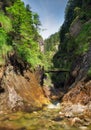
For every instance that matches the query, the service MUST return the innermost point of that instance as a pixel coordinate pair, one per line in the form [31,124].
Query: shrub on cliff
[6,26]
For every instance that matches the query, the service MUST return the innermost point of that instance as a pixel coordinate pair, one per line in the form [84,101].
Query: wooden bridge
[56,71]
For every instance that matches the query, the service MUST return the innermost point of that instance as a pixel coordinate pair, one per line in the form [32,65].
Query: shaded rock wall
[79,69]
[79,84]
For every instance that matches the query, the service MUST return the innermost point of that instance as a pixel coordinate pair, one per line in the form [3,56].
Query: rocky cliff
[74,54]
[20,90]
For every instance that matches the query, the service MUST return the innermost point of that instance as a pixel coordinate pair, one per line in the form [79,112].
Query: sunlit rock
[22,92]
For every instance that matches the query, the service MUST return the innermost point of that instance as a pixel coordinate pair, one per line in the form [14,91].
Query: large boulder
[80,93]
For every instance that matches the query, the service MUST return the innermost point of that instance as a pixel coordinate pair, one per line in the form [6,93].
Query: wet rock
[47,91]
[73,109]
[57,119]
[75,120]
[69,114]
[53,93]
[44,119]
[62,115]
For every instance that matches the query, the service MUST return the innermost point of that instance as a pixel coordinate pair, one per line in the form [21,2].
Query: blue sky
[51,13]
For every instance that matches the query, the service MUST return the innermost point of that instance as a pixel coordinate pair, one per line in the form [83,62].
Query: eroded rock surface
[21,92]
[80,93]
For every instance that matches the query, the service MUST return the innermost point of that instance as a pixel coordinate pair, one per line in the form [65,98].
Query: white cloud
[51,22]
[50,26]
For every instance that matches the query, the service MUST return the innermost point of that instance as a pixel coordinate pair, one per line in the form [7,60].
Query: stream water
[46,119]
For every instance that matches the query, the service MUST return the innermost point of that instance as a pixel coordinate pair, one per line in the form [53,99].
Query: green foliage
[18,13]
[70,46]
[89,73]
[30,55]
[52,42]
[48,60]
[19,31]
[77,11]
[50,48]
[83,39]
[69,17]
[25,28]
[36,20]
[5,22]
[4,45]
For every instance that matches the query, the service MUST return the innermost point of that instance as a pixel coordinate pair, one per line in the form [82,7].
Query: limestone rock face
[75,27]
[21,92]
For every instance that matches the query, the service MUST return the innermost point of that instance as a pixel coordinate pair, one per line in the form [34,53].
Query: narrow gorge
[45,84]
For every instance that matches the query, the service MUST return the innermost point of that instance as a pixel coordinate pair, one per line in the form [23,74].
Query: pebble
[34,112]
[83,128]
[61,114]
